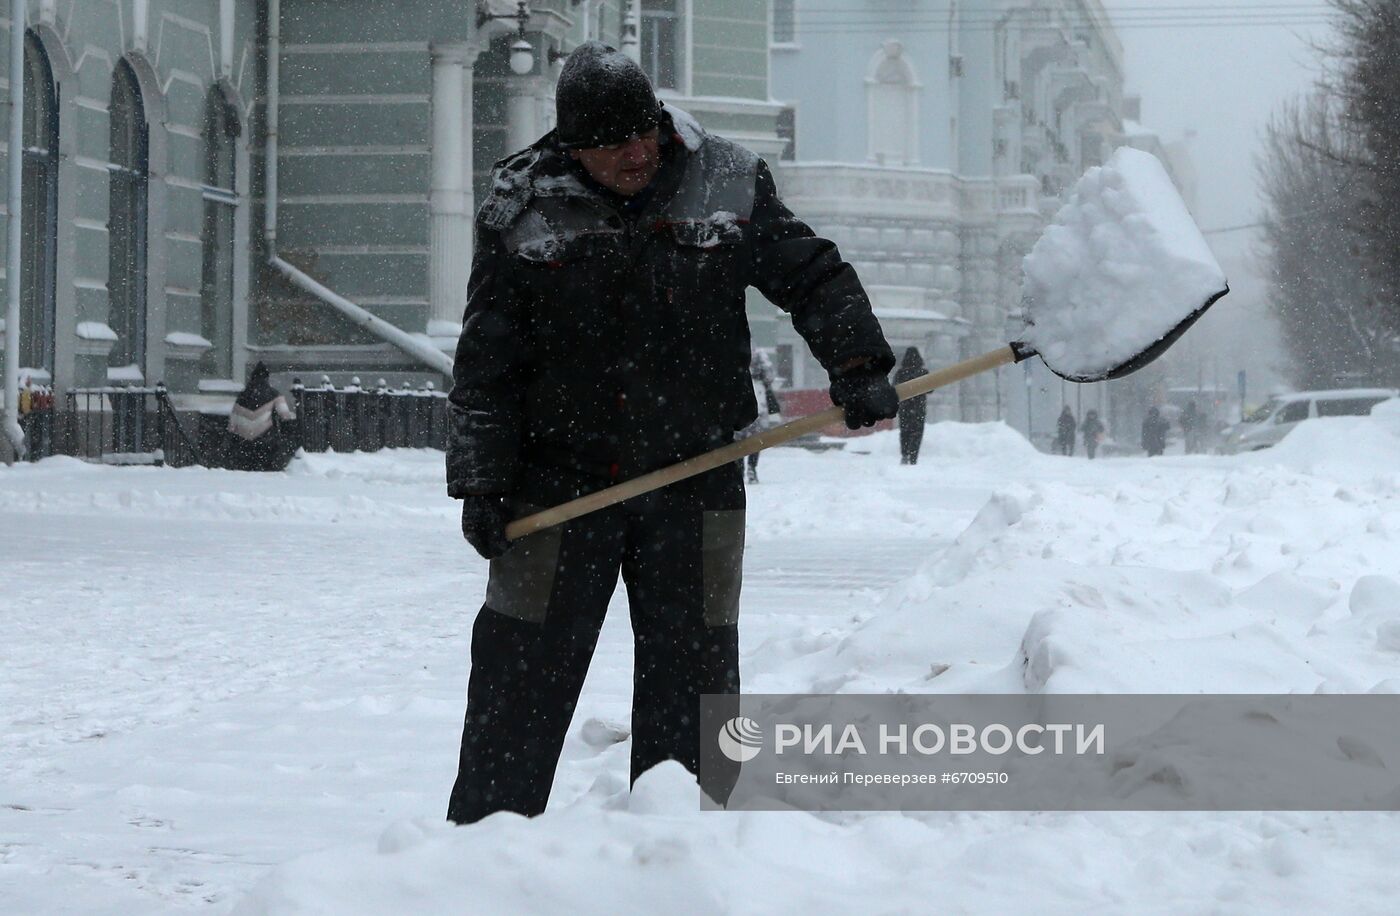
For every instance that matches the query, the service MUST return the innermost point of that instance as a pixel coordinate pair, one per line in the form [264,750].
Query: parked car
[1269,424]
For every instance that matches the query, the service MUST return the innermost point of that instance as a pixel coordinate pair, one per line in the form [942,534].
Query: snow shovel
[1116,279]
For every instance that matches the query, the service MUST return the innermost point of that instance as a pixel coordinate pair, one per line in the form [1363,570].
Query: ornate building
[932,141]
[213,182]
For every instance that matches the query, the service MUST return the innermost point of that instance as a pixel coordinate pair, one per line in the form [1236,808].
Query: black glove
[867,396]
[484,521]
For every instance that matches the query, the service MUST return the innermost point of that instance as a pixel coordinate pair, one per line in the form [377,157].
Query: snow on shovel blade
[1119,275]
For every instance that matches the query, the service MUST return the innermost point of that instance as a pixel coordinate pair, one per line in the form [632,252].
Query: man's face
[626,167]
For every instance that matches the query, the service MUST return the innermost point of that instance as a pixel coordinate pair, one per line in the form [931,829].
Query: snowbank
[1122,265]
[252,684]
[1339,446]
[655,853]
[953,442]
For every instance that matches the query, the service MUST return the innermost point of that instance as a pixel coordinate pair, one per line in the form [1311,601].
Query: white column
[521,129]
[449,199]
[469,139]
[632,30]
[226,38]
[140,23]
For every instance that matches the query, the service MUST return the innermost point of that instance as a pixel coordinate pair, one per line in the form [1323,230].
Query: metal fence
[140,425]
[119,425]
[356,419]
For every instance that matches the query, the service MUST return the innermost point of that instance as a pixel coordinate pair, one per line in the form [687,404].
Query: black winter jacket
[605,337]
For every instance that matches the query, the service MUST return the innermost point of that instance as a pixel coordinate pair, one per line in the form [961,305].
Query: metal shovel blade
[1137,361]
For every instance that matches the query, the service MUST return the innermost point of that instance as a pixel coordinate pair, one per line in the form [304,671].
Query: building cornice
[838,189]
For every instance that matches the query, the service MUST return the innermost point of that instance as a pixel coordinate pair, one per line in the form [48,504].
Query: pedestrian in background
[770,410]
[1064,438]
[1093,432]
[1154,433]
[259,438]
[913,412]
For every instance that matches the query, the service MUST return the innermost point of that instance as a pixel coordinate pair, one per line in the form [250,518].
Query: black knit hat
[603,97]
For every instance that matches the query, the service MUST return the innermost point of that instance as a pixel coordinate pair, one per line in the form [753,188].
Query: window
[39,225]
[784,367]
[892,102]
[1293,412]
[787,131]
[661,42]
[1347,407]
[220,207]
[128,177]
[784,22]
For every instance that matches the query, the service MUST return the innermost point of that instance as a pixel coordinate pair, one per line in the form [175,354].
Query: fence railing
[141,425]
[357,419]
[120,425]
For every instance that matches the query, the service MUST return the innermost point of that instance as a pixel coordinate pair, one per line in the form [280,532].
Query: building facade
[209,183]
[932,141]
[173,148]
[137,178]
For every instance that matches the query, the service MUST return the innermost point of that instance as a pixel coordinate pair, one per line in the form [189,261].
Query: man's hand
[484,521]
[867,396]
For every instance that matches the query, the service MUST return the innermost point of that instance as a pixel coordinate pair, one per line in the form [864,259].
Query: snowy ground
[244,692]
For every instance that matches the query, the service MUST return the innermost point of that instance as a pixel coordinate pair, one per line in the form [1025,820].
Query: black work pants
[911,437]
[534,638]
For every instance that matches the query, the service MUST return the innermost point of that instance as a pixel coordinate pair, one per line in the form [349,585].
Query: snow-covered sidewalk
[246,690]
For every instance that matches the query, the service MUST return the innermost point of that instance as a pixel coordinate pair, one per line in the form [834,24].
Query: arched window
[221,131]
[129,175]
[39,231]
[892,100]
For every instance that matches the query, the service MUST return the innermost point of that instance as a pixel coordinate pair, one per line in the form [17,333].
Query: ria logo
[740,739]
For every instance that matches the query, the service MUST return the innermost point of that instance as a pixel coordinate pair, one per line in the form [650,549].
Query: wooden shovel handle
[736,450]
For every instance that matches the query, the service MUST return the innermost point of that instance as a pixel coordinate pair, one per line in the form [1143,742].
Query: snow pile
[1238,583]
[606,855]
[1386,415]
[254,685]
[1337,446]
[1121,266]
[974,441]
[952,442]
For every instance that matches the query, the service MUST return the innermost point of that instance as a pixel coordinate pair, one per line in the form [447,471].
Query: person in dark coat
[914,411]
[770,410]
[606,336]
[1154,433]
[1064,433]
[259,438]
[1092,429]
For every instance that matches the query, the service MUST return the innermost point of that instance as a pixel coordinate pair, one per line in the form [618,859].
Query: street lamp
[522,53]
[522,57]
